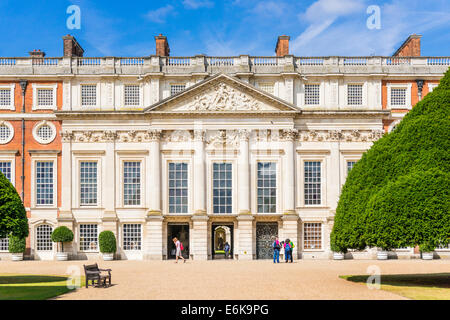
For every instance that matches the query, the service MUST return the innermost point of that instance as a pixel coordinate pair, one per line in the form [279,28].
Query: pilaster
[245,237]
[199,234]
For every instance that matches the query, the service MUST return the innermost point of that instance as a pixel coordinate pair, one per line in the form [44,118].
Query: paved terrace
[239,65]
[308,279]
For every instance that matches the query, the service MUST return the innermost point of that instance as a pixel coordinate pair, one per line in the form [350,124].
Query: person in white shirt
[178,250]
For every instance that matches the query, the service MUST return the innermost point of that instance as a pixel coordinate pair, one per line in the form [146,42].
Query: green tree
[13,217]
[419,143]
[107,241]
[62,234]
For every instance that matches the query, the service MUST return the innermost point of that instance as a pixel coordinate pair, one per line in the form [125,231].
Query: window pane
[176,88]
[45,97]
[88,183]
[354,94]
[4,244]
[43,238]
[178,187]
[132,94]
[132,183]
[398,96]
[222,187]
[5,168]
[88,237]
[44,183]
[267,182]
[312,183]
[89,95]
[312,94]
[312,234]
[131,237]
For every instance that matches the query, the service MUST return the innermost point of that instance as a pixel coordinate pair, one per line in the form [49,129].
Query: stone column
[288,173]
[290,231]
[199,234]
[243,173]
[199,173]
[153,243]
[245,236]
[155,172]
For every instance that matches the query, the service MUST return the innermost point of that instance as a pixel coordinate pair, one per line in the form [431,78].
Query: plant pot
[17,256]
[382,255]
[62,256]
[108,256]
[427,255]
[338,256]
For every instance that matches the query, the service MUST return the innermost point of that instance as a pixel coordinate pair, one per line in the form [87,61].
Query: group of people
[287,246]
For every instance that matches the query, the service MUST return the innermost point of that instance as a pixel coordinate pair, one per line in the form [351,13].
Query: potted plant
[17,247]
[338,253]
[107,241]
[382,254]
[60,235]
[426,250]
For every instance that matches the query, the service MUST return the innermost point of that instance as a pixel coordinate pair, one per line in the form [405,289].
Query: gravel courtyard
[303,279]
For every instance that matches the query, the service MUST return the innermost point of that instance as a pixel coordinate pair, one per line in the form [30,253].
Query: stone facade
[156,147]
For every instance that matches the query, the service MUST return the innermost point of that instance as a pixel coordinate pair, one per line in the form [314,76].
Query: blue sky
[224,28]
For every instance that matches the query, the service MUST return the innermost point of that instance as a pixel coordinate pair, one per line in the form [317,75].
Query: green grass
[32,287]
[423,286]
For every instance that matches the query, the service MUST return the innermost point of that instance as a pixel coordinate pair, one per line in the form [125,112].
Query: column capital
[288,134]
[244,134]
[199,135]
[153,134]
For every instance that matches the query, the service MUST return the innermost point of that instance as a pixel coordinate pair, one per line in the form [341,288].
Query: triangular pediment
[223,94]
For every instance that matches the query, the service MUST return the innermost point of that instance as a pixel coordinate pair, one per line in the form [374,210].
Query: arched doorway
[221,234]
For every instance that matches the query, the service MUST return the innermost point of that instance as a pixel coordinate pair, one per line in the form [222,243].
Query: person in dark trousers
[292,250]
[226,248]
[276,250]
[287,250]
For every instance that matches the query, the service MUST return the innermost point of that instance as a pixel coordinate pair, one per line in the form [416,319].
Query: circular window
[44,132]
[6,132]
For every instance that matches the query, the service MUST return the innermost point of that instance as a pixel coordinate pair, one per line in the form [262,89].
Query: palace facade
[208,149]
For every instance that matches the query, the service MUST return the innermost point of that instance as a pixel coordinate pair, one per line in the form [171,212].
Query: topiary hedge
[419,143]
[16,244]
[62,234]
[13,217]
[107,242]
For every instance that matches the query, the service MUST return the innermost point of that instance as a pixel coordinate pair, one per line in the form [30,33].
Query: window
[5,97]
[5,168]
[132,95]
[4,244]
[312,235]
[267,187]
[88,183]
[222,187]
[6,132]
[267,87]
[176,88]
[89,95]
[354,94]
[44,182]
[178,187]
[44,132]
[132,183]
[131,237]
[43,238]
[312,94]
[398,96]
[88,237]
[312,182]
[45,97]
[431,86]
[350,165]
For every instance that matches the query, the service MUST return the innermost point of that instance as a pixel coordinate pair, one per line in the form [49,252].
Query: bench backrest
[91,267]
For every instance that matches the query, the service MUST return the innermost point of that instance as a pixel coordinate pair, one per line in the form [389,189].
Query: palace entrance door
[222,233]
[265,232]
[181,231]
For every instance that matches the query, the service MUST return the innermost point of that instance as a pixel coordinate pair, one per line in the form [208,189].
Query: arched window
[43,238]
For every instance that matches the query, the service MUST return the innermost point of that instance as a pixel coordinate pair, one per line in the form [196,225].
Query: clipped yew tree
[13,217]
[397,195]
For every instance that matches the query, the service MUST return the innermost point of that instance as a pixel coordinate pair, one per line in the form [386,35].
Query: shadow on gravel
[19,279]
[436,280]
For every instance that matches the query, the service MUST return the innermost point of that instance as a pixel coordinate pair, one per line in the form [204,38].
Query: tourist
[292,250]
[282,249]
[227,249]
[178,248]
[287,250]
[276,250]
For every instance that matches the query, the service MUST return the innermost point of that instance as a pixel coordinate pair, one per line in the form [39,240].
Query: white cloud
[195,4]
[269,8]
[160,15]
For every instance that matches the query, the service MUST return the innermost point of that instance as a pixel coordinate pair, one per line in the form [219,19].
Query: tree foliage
[16,244]
[107,241]
[62,234]
[13,217]
[416,152]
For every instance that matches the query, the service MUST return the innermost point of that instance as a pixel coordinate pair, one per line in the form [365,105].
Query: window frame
[141,183]
[97,95]
[176,84]
[255,158]
[11,132]
[122,237]
[320,102]
[11,158]
[141,95]
[261,84]
[2,244]
[322,248]
[312,155]
[406,86]
[217,161]
[97,204]
[36,237]
[38,86]
[97,249]
[44,158]
[12,88]
[36,128]
[363,94]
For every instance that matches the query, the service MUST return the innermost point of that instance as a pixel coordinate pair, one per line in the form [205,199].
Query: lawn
[426,286]
[32,287]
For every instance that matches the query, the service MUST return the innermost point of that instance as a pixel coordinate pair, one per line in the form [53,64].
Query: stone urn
[108,256]
[17,256]
[382,255]
[427,255]
[62,256]
[338,256]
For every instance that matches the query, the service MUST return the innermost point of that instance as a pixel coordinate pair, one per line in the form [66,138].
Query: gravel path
[307,279]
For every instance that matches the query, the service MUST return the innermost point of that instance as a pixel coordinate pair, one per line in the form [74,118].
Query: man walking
[276,250]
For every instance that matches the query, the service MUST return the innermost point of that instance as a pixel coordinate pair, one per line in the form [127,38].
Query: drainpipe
[23,85]
[419,88]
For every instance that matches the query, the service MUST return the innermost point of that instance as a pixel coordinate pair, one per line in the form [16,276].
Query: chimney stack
[71,47]
[162,46]
[409,48]
[37,53]
[282,47]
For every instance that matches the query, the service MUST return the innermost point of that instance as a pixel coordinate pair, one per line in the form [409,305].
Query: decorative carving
[223,97]
[153,135]
[66,135]
[244,134]
[199,135]
[288,134]
[224,139]
[340,135]
[177,136]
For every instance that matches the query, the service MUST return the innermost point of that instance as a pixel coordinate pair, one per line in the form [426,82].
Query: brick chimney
[37,53]
[282,47]
[71,47]
[409,48]
[162,46]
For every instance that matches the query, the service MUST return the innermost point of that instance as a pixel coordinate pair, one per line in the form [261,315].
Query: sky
[225,27]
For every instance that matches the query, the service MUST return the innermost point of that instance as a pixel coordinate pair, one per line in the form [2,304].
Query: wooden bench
[93,273]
